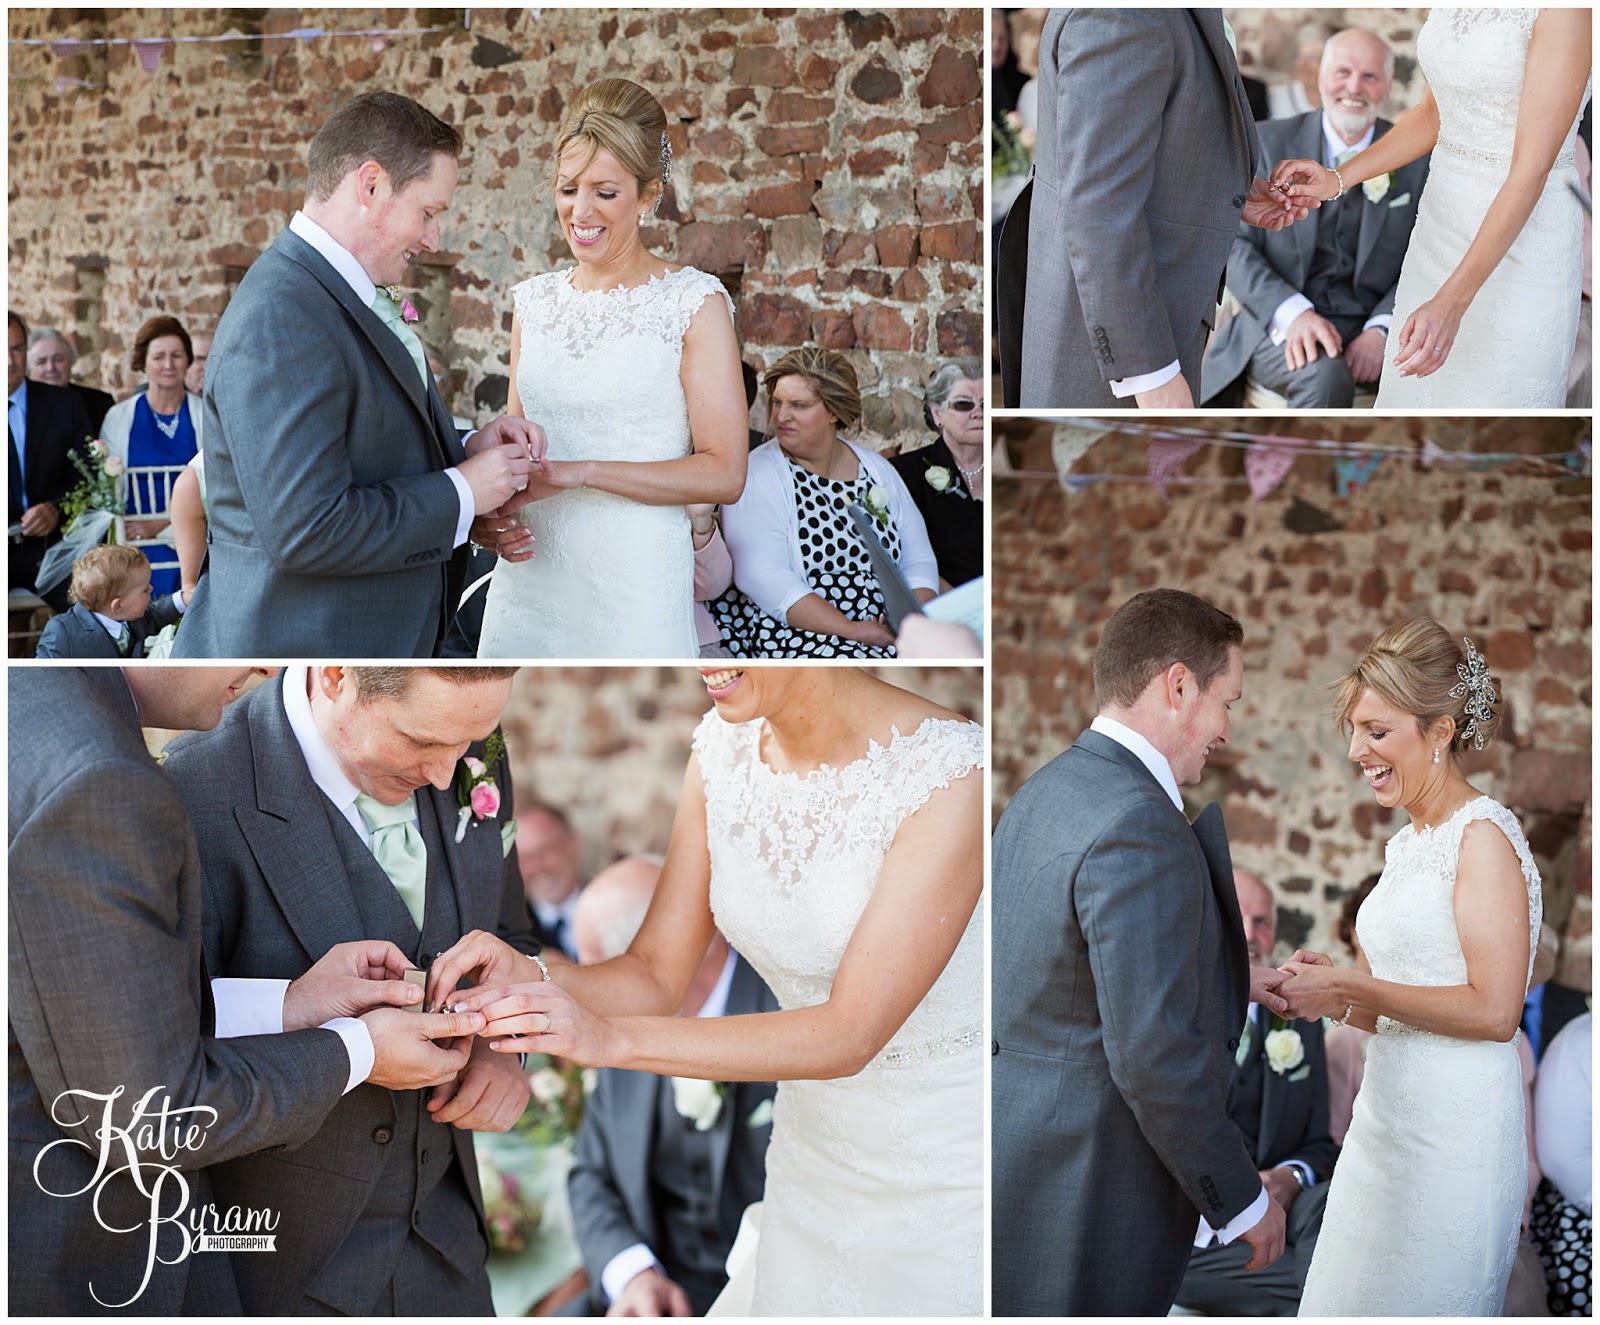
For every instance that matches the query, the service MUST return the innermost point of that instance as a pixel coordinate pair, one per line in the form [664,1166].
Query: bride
[630,364]
[1426,1202]
[1489,293]
[831,827]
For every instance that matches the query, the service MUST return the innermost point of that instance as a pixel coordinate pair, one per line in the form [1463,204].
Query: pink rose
[114,465]
[475,766]
[98,448]
[408,313]
[486,800]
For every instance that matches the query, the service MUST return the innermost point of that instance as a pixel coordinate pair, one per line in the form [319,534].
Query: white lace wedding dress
[1426,1202]
[1515,342]
[874,1195]
[599,371]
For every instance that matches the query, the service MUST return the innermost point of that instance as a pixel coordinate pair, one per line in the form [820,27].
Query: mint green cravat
[390,312]
[124,640]
[398,847]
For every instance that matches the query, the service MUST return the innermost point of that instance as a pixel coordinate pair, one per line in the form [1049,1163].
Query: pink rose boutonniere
[477,793]
[408,312]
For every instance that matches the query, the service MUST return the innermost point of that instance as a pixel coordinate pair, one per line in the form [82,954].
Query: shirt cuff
[621,1269]
[1131,386]
[468,507]
[1383,321]
[177,601]
[248,1007]
[1240,1224]
[1286,313]
[358,1042]
[1302,1168]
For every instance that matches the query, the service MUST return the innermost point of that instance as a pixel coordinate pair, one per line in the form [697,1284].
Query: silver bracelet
[544,971]
[1349,1008]
[1336,198]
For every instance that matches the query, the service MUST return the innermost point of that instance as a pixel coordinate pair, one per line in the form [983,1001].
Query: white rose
[878,495]
[113,465]
[698,1101]
[546,1085]
[1377,187]
[1285,1052]
[939,478]
[489,1180]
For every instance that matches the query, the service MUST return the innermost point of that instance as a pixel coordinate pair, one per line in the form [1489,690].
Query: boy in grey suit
[1119,988]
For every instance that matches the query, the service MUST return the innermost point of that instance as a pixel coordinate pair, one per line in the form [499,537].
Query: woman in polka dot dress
[803,584]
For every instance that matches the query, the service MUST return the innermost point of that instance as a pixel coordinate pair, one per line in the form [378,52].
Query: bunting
[1167,454]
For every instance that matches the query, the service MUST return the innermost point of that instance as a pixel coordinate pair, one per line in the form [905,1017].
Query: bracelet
[1349,1007]
[544,971]
[1340,178]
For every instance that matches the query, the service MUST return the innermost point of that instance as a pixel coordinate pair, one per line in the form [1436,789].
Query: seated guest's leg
[1323,383]
[1216,1282]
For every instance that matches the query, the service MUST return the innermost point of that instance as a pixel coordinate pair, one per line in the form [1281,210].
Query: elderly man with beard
[1316,299]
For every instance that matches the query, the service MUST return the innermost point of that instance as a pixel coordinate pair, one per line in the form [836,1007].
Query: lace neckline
[1446,822]
[875,750]
[619,291]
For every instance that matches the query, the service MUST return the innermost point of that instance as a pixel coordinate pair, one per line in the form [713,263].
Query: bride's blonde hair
[617,116]
[1412,665]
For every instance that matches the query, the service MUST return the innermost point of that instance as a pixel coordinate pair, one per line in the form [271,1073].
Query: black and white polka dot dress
[835,564]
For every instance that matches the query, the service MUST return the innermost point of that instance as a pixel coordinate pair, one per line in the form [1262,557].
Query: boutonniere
[877,503]
[760,1116]
[939,478]
[408,313]
[1285,1050]
[477,793]
[1377,188]
[698,1101]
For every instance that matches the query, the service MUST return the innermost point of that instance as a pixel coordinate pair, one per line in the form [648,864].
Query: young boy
[111,612]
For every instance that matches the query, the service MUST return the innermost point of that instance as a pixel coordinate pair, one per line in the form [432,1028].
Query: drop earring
[1436,754]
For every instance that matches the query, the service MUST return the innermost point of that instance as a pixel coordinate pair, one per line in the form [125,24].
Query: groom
[1120,985]
[1111,261]
[338,496]
[326,809]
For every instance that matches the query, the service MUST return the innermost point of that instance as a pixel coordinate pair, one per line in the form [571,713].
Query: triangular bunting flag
[1354,471]
[1167,454]
[1267,464]
[150,52]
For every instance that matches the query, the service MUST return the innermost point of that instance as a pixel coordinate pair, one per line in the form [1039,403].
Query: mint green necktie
[398,847]
[1346,155]
[124,639]
[394,319]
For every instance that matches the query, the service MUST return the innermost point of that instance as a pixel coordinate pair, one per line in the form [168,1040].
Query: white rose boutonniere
[1285,1052]
[939,478]
[698,1101]
[877,503]
[1377,188]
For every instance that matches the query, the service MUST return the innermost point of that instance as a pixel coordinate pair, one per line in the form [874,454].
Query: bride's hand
[482,958]
[503,535]
[543,1018]
[1312,990]
[1267,210]
[1427,337]
[1307,183]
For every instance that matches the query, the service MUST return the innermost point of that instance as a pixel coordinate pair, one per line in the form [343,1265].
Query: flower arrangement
[97,490]
[477,793]
[555,1107]
[1012,148]
[510,1210]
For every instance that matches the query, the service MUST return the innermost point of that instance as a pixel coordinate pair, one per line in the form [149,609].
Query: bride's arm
[1491,913]
[713,388]
[922,901]
[1411,136]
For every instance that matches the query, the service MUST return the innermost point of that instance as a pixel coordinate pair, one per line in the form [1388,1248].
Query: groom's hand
[495,474]
[1266,1238]
[651,1293]
[1172,394]
[482,958]
[349,979]
[509,430]
[488,1096]
[1268,209]
[405,1055]
[1264,982]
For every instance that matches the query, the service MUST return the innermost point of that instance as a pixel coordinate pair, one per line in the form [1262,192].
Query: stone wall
[1500,554]
[828,167]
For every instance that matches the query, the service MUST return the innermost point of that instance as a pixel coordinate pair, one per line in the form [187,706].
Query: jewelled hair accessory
[666,169]
[1476,689]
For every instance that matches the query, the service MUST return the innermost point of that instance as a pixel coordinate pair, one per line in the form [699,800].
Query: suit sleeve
[1115,67]
[163,612]
[599,1214]
[1141,911]
[290,452]
[54,641]
[102,992]
[1252,279]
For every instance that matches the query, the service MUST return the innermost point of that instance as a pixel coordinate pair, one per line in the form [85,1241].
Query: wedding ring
[546,1029]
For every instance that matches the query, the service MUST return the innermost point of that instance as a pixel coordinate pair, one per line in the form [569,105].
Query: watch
[1295,1173]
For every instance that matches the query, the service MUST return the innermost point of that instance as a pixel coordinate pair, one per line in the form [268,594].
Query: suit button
[382,1135]
[994,1048]
[1238,200]
[423,1159]
[1233,1043]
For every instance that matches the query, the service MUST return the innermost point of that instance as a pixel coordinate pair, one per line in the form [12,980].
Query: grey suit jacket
[1141,169]
[1120,984]
[105,993]
[1267,267]
[277,897]
[609,1186]
[330,519]
[76,633]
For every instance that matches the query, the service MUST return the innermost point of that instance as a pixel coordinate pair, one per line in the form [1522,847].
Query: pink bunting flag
[150,52]
[1267,464]
[1167,455]
[68,47]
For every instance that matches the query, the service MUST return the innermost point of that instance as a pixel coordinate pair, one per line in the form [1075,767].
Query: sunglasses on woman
[963,406]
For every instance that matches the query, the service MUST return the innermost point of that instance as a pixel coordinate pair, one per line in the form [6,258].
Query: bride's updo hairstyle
[1413,666]
[620,117]
[830,375]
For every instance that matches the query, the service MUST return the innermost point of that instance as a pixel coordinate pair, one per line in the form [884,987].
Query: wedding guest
[550,855]
[654,1207]
[1563,1209]
[1278,1099]
[803,581]
[47,425]
[946,476]
[50,360]
[1006,77]
[194,380]
[1314,318]
[112,613]
[162,426]
[713,574]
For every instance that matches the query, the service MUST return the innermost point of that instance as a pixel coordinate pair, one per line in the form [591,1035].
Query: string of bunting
[1269,458]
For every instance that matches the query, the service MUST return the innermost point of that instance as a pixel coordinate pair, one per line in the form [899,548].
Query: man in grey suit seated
[1278,1099]
[1316,300]
[664,1169]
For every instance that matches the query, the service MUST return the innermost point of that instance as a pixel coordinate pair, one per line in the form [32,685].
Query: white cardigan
[763,531]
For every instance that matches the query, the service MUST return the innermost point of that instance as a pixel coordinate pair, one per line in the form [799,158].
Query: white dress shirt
[1161,771]
[17,422]
[343,261]
[630,1261]
[549,914]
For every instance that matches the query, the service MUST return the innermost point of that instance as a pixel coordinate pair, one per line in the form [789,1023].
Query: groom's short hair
[393,682]
[1153,630]
[400,135]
